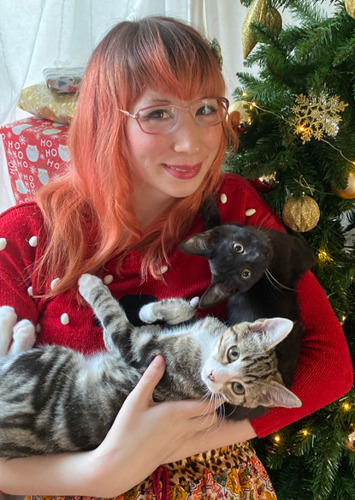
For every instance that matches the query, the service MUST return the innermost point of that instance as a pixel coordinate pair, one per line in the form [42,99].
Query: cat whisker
[273,281]
[230,413]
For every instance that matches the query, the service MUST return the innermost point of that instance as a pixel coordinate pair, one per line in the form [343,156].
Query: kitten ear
[275,394]
[272,330]
[199,244]
[214,294]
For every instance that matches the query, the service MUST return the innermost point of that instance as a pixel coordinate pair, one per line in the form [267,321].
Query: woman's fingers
[143,392]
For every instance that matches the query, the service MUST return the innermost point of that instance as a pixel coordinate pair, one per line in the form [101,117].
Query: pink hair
[87,212]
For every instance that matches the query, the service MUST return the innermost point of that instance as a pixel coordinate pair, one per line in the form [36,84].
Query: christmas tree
[297,146]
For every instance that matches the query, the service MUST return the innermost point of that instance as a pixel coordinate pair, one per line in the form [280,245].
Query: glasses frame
[187,108]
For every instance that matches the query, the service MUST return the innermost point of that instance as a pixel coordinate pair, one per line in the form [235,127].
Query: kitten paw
[147,314]
[23,337]
[8,319]
[87,282]
[172,311]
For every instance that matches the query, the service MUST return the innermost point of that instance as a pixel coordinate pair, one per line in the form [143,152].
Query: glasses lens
[163,119]
[208,112]
[158,119]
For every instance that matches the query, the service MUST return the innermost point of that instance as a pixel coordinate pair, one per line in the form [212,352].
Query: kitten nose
[211,376]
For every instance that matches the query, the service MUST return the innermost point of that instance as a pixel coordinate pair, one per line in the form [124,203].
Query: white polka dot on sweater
[250,211]
[3,243]
[108,279]
[163,269]
[30,291]
[54,283]
[33,241]
[64,319]
[223,198]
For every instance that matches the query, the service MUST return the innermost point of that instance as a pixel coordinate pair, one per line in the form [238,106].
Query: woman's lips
[183,171]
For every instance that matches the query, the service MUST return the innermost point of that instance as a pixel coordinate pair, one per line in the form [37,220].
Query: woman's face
[172,165]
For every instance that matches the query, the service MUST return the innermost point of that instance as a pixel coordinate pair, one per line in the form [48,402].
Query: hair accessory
[216,50]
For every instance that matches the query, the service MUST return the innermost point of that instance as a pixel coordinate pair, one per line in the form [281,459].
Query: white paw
[88,282]
[8,319]
[23,337]
[146,313]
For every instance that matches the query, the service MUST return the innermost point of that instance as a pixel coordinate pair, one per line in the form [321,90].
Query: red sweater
[324,371]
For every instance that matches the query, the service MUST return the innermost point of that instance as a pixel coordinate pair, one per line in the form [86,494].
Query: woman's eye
[206,111]
[238,388]
[238,247]
[246,274]
[233,354]
[157,114]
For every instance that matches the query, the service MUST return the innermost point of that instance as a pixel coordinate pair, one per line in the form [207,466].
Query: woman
[147,143]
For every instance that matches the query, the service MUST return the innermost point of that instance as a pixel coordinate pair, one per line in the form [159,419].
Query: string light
[244,94]
[305,432]
[277,438]
[299,128]
[346,406]
[323,256]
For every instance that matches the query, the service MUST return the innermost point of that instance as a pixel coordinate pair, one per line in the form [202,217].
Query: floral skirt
[232,472]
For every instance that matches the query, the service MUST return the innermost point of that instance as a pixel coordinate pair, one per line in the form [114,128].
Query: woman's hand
[146,434]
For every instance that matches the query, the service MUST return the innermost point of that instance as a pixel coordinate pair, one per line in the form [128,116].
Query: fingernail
[158,361]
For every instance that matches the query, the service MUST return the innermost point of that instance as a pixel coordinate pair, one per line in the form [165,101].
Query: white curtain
[38,34]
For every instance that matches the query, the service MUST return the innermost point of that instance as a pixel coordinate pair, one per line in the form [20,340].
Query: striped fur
[54,399]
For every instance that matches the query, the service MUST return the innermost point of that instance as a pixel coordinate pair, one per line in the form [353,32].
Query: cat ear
[199,244]
[272,330]
[215,293]
[275,394]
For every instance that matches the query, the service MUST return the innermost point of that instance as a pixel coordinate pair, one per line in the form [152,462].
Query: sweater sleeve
[324,370]
[19,227]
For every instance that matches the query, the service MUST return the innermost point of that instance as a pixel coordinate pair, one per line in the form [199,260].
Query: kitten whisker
[271,278]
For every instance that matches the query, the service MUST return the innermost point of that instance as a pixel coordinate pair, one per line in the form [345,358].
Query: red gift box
[36,150]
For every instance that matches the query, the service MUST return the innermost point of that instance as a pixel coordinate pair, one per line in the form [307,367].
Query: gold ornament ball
[350,7]
[349,192]
[241,107]
[301,214]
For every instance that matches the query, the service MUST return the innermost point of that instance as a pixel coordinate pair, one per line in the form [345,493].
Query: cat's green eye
[238,247]
[246,274]
[233,354]
[238,388]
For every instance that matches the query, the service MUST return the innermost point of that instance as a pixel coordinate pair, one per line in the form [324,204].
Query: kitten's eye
[238,388]
[238,247]
[246,274]
[233,354]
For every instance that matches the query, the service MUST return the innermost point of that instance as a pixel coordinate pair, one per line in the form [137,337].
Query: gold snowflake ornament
[316,116]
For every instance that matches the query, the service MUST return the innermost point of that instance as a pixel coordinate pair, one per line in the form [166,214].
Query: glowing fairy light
[323,256]
[277,438]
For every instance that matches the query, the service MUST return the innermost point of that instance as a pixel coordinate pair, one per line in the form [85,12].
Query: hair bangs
[167,57]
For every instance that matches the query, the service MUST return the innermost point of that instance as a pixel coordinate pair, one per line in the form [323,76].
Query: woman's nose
[187,136]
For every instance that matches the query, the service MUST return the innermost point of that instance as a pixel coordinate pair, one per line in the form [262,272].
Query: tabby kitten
[54,399]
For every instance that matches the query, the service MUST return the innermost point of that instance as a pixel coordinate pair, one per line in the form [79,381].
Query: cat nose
[211,376]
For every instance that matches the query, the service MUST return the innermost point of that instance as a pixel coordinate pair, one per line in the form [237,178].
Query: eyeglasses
[164,118]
